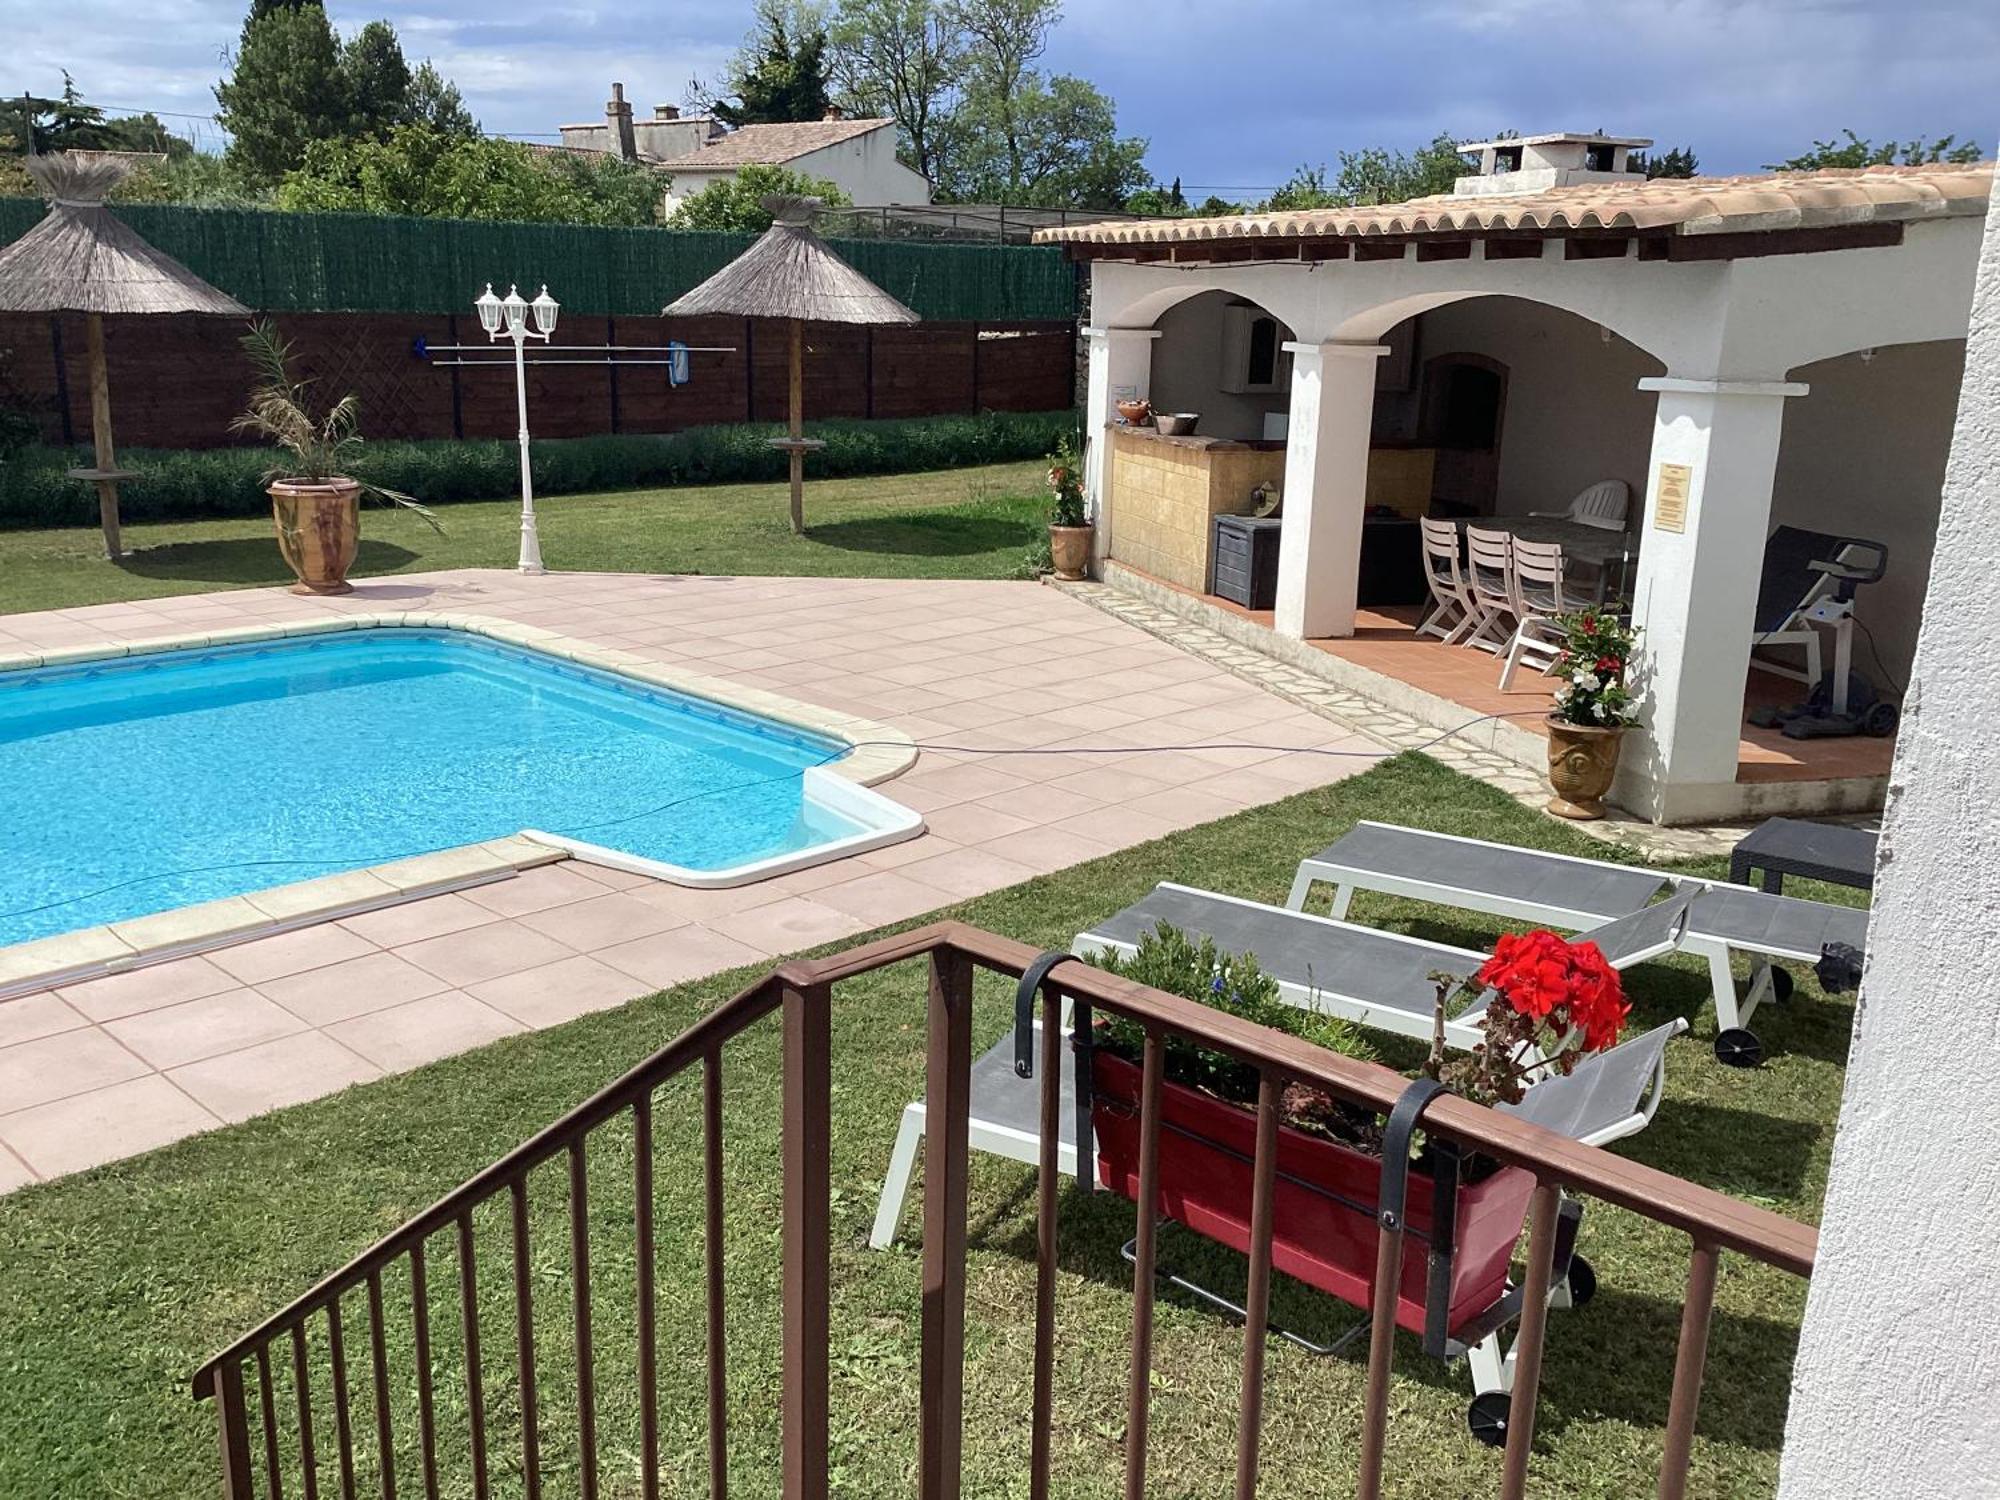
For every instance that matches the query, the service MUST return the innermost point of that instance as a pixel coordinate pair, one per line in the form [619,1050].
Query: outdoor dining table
[1593,546]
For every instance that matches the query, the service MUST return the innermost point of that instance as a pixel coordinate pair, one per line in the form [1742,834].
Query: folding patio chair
[1452,613]
[1489,563]
[1604,505]
[1536,578]
[1561,890]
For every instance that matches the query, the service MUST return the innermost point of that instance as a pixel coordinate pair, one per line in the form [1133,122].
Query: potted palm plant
[1069,527]
[1594,708]
[314,501]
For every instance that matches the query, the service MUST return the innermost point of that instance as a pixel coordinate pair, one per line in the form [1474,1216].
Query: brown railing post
[1046,1197]
[232,1423]
[1139,1393]
[807,1137]
[1542,1215]
[712,1249]
[1257,1301]
[1689,1361]
[649,1344]
[947,1096]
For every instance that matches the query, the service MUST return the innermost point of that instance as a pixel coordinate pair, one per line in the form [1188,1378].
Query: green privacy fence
[276,262]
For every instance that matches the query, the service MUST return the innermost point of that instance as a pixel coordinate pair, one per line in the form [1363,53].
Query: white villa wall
[1893,1393]
[1864,455]
[865,168]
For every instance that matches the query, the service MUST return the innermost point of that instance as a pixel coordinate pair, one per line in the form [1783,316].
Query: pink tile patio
[1041,722]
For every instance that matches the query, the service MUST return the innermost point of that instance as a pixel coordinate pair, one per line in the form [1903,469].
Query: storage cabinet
[1245,553]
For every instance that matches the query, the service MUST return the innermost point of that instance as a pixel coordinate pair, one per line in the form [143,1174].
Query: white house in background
[1781,350]
[857,155]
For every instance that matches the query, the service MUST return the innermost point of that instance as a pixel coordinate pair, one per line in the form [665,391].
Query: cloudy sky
[1232,96]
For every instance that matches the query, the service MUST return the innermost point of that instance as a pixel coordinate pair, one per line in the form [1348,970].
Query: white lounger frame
[1730,1010]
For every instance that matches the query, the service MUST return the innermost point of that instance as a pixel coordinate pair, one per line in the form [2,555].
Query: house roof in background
[1685,206]
[769,145]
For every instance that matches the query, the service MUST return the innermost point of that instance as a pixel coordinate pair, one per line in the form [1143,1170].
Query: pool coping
[92,952]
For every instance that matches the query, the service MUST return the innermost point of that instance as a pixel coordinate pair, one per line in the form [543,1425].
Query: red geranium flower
[1567,985]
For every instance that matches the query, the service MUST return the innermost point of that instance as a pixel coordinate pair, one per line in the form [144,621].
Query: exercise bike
[1842,702]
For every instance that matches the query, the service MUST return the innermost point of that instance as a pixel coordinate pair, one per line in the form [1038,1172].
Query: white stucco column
[1326,487]
[1701,554]
[1121,369]
[1894,1391]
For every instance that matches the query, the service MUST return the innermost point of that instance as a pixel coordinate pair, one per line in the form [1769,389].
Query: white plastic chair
[1536,588]
[1452,613]
[1489,559]
[1604,505]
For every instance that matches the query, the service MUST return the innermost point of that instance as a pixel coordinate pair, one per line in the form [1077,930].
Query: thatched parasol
[83,258]
[791,274]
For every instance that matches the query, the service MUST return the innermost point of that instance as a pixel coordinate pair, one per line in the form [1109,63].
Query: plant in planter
[1555,1002]
[1594,708]
[314,501]
[1069,527]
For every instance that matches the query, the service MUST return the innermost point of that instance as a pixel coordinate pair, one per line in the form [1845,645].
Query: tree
[1061,150]
[420,171]
[67,123]
[1679,162]
[1002,38]
[434,100]
[285,91]
[901,59]
[780,75]
[1375,175]
[376,77]
[733,203]
[1857,152]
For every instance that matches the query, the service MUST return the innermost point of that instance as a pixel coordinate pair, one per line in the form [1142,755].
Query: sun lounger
[1531,885]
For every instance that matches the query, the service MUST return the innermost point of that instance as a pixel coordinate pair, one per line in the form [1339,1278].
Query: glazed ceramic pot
[1583,759]
[319,530]
[1069,550]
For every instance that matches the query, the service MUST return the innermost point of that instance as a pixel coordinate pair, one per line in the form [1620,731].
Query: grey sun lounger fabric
[1001,1097]
[1603,1091]
[1591,891]
[1645,933]
[1317,955]
[1781,926]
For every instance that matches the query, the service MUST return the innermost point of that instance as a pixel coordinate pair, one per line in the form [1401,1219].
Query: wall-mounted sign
[1670,497]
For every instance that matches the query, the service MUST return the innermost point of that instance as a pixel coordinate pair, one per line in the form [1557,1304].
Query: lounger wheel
[1487,1417]
[1781,984]
[1582,1281]
[1737,1047]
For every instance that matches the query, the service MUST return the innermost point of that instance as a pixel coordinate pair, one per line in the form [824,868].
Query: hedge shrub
[186,484]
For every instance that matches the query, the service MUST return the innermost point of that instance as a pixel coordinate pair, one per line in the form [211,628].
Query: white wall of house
[1893,1393]
[865,168]
[1864,455]
[1187,371]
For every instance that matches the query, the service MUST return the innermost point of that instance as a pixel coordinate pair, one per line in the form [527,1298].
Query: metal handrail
[800,991]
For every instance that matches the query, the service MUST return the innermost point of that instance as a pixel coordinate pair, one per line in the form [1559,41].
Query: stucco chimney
[833,112]
[666,111]
[618,114]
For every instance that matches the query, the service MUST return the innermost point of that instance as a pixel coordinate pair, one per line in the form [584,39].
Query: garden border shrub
[193,484]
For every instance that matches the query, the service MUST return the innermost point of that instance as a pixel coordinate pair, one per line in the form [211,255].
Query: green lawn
[114,1285]
[955,523]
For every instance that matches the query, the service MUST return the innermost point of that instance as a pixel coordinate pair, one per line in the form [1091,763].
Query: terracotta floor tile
[408,1036]
[196,1029]
[86,1130]
[1045,849]
[54,1067]
[973,823]
[374,981]
[28,1017]
[885,896]
[601,921]
[147,988]
[290,952]
[963,873]
[258,1079]
[670,958]
[561,991]
[481,953]
[790,925]
[14,1173]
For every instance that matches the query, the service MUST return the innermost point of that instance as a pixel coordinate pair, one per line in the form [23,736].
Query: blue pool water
[140,785]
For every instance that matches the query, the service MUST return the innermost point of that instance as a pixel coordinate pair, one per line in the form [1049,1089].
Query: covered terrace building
[1786,350]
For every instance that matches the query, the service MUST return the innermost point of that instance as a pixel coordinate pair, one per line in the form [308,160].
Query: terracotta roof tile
[767,145]
[1696,205]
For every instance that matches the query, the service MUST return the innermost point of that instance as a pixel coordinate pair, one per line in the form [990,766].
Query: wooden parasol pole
[100,434]
[797,419]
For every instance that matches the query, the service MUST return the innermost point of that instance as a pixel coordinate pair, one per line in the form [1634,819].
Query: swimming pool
[152,782]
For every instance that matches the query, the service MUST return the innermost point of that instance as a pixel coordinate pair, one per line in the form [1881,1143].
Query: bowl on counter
[1176,423]
[1135,412]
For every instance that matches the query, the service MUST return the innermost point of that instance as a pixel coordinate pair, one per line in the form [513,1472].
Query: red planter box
[1204,1173]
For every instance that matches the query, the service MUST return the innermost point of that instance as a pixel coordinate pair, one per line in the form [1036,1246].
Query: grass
[955,523]
[115,1284]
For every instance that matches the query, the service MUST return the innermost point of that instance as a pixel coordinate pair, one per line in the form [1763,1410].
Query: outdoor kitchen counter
[1165,491]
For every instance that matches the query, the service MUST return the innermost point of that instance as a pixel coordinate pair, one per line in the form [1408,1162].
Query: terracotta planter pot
[1583,759]
[319,529]
[1069,550]
[1205,1150]
[1138,413]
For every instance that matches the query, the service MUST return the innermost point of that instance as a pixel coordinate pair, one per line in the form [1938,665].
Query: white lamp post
[509,319]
